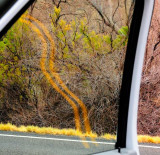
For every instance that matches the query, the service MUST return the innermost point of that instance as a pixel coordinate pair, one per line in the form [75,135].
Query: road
[15,143]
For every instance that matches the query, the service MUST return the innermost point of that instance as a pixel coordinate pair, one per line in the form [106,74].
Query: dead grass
[148,139]
[72,132]
[47,130]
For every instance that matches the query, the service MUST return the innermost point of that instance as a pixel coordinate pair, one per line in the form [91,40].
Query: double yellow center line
[25,20]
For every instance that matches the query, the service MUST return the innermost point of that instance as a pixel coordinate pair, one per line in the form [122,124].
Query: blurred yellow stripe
[52,52]
[42,63]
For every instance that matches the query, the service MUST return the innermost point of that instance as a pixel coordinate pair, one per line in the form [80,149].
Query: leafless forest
[84,60]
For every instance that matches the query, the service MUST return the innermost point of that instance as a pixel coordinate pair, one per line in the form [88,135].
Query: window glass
[61,67]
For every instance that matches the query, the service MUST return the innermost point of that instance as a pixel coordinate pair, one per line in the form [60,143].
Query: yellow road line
[42,63]
[52,52]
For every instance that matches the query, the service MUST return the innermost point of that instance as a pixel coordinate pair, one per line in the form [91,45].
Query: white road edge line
[149,146]
[71,140]
[56,139]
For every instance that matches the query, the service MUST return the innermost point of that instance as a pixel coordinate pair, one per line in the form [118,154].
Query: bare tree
[109,15]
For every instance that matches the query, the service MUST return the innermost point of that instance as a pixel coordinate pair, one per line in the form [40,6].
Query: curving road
[15,143]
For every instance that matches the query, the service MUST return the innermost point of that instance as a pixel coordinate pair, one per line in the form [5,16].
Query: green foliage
[12,51]
[74,39]
[121,39]
[9,48]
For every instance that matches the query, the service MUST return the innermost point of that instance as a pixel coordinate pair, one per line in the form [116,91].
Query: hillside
[62,64]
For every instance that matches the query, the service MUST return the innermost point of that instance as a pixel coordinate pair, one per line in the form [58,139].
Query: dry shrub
[149,104]
[88,58]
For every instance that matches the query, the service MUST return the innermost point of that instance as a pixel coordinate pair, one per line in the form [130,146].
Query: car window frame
[129,72]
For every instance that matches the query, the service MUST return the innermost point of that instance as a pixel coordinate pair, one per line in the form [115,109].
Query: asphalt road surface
[15,143]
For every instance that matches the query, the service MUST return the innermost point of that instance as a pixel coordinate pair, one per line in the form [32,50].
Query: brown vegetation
[90,43]
[149,104]
[90,49]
